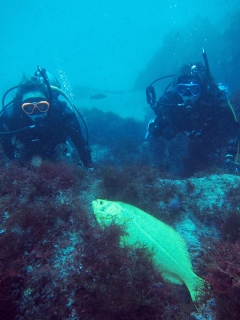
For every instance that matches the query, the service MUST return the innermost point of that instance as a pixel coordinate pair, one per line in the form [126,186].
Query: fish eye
[101,202]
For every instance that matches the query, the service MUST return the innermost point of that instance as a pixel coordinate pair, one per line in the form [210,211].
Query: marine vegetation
[223,274]
[57,262]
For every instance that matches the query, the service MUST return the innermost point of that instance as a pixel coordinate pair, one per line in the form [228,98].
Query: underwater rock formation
[56,260]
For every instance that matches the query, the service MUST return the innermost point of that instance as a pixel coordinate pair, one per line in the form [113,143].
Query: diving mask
[186,89]
[30,107]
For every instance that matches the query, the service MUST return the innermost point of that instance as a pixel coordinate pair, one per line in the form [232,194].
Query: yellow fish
[170,253]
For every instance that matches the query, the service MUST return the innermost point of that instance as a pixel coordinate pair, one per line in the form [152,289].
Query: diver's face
[189,90]
[35,105]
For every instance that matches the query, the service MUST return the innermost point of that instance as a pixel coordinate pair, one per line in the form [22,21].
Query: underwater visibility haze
[61,258]
[103,45]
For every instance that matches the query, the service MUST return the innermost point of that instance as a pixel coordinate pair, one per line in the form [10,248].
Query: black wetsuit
[209,123]
[42,139]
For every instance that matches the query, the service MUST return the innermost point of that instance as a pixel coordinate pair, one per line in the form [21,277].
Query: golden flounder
[170,256]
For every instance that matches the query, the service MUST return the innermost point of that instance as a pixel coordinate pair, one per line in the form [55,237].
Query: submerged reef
[57,263]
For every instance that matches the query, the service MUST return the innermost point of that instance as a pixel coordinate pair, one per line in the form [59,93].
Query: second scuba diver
[196,107]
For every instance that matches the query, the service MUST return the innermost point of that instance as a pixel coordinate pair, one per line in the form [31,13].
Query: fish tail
[196,287]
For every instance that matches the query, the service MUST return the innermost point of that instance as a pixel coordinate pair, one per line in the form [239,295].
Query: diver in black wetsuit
[36,122]
[196,107]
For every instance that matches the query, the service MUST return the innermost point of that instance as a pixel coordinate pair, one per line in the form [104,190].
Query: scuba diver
[198,108]
[35,123]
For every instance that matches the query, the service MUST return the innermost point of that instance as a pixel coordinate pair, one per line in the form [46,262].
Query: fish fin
[196,286]
[171,278]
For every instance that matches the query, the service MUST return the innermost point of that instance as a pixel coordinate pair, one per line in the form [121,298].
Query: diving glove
[153,128]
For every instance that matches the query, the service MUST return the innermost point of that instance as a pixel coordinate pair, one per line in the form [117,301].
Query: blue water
[98,44]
